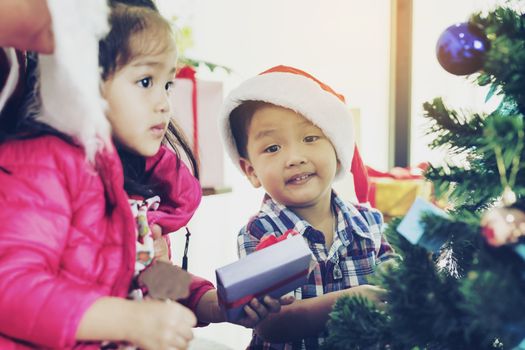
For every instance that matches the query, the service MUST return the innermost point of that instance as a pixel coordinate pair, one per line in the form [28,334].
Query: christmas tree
[469,293]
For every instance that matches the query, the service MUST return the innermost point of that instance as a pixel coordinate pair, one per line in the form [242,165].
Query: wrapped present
[393,193]
[274,271]
[195,105]
[411,226]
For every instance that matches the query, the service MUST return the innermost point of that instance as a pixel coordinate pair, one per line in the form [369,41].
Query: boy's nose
[296,158]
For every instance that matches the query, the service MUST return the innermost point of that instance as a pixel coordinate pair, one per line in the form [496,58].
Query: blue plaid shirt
[358,247]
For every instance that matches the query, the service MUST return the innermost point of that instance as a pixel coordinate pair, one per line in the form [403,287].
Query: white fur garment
[12,78]
[70,77]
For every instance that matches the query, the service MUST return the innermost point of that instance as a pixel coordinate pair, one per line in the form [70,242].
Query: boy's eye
[169,86]
[272,149]
[145,82]
[311,138]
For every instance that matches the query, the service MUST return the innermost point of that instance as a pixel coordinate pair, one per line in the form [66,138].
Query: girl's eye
[311,138]
[169,86]
[272,149]
[145,83]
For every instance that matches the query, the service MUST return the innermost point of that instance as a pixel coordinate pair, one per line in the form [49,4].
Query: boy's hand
[160,245]
[375,294]
[257,311]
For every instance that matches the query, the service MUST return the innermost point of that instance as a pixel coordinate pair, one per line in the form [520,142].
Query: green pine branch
[469,295]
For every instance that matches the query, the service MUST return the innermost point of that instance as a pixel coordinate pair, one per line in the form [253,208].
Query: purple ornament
[461,49]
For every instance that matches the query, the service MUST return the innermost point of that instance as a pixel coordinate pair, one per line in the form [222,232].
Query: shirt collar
[349,219]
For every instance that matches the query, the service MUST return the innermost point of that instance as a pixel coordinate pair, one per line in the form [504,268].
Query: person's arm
[39,305]
[36,215]
[148,324]
[208,309]
[307,317]
[302,318]
[26,25]
[179,190]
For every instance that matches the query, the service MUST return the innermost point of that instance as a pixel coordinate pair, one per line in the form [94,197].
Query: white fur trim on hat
[70,78]
[301,94]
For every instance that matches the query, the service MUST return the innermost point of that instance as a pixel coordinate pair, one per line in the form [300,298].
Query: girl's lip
[160,126]
[158,130]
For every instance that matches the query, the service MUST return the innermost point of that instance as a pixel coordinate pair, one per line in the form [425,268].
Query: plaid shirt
[358,247]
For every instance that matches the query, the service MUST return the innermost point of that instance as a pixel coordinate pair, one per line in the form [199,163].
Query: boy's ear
[103,89]
[338,166]
[249,171]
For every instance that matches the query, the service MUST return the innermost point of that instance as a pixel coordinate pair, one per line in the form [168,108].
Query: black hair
[240,120]
[21,123]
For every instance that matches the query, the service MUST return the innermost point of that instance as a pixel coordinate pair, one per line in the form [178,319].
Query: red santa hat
[299,91]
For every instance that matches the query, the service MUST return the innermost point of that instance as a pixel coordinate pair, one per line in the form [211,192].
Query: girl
[148,174]
[67,241]
[67,254]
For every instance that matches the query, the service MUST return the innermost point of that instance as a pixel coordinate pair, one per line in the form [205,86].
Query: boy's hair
[137,28]
[240,120]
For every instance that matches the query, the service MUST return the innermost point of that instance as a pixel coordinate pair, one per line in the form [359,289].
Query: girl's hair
[138,29]
[22,124]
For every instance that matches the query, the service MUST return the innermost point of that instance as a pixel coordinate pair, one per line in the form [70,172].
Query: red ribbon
[188,72]
[271,240]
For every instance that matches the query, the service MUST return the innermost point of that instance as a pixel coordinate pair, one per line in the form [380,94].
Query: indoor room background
[345,43]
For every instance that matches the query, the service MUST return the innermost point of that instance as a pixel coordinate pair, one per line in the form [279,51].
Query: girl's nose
[163,104]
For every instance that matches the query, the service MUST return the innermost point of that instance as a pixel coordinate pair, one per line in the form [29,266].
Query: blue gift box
[412,229]
[274,271]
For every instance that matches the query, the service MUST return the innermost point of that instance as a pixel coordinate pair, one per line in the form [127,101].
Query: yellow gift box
[393,197]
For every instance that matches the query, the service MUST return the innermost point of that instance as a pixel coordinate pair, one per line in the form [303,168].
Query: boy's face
[138,99]
[289,157]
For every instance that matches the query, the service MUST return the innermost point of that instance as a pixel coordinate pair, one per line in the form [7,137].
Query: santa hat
[299,91]
[70,77]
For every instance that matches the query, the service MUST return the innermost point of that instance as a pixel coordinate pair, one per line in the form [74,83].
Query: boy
[293,135]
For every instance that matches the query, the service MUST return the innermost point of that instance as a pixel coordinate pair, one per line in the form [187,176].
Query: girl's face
[138,101]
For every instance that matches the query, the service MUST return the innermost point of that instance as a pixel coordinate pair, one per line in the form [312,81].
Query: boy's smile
[299,179]
[289,157]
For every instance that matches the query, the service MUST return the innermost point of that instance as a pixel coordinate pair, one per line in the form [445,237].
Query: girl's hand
[162,325]
[160,245]
[257,311]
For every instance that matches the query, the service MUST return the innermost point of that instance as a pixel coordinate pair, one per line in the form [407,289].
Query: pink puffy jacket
[61,246]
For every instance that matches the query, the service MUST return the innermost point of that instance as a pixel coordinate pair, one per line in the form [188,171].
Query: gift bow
[188,72]
[399,173]
[271,240]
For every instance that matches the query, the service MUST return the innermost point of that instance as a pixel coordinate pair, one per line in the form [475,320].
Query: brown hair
[240,120]
[135,31]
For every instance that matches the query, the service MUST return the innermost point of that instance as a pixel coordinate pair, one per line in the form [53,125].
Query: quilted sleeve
[37,305]
[180,191]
